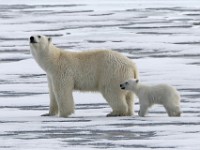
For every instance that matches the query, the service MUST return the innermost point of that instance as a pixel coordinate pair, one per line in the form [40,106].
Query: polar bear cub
[97,70]
[163,94]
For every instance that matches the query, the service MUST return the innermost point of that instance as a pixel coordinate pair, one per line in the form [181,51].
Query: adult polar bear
[100,70]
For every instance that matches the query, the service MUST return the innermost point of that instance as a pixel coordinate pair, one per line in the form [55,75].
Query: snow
[162,37]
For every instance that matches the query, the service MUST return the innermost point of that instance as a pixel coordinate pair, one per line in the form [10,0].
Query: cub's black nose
[32,40]
[122,87]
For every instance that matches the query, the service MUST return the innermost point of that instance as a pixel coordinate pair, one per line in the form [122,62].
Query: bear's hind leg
[117,101]
[130,103]
[173,111]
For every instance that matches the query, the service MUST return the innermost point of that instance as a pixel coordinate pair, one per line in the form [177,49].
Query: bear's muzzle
[32,39]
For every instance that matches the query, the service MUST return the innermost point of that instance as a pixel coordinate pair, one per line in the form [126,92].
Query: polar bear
[98,70]
[163,94]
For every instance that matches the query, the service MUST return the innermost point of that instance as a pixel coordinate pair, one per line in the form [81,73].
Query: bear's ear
[137,81]
[49,39]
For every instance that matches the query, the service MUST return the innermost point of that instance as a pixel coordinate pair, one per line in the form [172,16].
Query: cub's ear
[137,81]
[49,39]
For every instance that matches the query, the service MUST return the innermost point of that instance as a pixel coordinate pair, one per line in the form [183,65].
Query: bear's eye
[39,36]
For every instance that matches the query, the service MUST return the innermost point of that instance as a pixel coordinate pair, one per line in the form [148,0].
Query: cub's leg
[143,109]
[173,111]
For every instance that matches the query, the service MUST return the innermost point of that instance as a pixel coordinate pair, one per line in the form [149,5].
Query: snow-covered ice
[162,37]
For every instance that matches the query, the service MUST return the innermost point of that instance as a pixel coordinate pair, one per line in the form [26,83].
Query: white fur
[100,70]
[163,94]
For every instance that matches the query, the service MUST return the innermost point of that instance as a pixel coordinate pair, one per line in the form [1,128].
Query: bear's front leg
[53,108]
[63,91]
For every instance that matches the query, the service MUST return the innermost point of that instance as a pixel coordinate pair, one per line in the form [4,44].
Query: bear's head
[39,43]
[40,49]
[130,85]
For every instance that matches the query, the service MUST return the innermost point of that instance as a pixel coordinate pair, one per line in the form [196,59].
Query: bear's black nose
[32,40]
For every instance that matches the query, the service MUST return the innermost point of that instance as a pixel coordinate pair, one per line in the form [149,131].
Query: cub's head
[39,43]
[130,85]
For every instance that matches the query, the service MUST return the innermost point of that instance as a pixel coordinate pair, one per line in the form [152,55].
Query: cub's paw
[140,114]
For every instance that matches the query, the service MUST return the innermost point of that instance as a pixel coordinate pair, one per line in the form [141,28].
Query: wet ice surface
[163,38]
